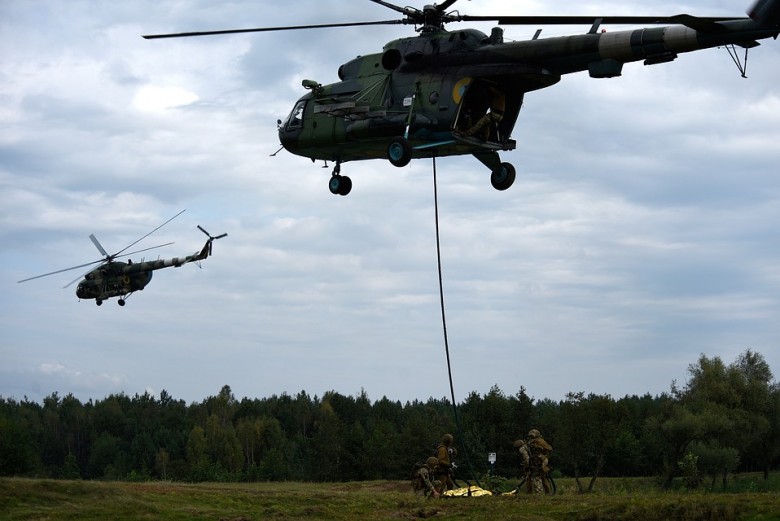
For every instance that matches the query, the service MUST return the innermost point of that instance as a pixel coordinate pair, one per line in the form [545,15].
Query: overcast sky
[641,232]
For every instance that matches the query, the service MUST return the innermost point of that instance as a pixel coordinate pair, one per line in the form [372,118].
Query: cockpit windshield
[295,119]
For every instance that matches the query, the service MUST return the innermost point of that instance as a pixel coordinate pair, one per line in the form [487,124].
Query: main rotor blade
[266,29]
[145,249]
[586,20]
[108,258]
[90,264]
[77,278]
[147,235]
[98,245]
[396,8]
[62,270]
[445,5]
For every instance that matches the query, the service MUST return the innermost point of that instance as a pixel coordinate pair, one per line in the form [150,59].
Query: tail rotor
[212,238]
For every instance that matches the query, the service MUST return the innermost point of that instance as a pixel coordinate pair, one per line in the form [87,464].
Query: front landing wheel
[399,152]
[503,177]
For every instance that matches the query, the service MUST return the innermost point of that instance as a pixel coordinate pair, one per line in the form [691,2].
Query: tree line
[724,419]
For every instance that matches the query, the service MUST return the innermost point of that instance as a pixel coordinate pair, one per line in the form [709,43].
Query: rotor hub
[432,18]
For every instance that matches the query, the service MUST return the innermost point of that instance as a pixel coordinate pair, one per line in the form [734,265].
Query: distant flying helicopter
[112,278]
[445,93]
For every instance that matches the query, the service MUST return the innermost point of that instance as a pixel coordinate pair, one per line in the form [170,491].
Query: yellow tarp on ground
[472,491]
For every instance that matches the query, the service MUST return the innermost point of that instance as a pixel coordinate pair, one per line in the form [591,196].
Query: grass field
[635,500]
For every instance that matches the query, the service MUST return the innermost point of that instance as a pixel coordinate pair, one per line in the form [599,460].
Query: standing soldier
[445,454]
[525,457]
[537,478]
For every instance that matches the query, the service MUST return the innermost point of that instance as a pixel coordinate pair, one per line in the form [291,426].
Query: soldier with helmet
[422,478]
[445,456]
[525,457]
[537,476]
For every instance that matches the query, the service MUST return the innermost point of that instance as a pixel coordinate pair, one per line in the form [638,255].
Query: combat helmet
[447,439]
[432,461]
[534,433]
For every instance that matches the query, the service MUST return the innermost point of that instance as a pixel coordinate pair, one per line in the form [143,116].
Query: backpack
[415,469]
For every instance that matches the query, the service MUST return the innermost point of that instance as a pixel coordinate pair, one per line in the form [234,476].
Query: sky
[641,232]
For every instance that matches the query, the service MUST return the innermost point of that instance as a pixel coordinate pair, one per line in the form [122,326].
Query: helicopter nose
[289,139]
[86,290]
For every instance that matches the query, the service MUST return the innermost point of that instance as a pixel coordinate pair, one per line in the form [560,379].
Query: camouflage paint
[425,80]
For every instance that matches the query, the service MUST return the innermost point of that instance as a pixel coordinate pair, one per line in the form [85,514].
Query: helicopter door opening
[487,111]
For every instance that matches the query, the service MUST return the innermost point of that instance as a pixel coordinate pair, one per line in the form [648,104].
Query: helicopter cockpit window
[295,120]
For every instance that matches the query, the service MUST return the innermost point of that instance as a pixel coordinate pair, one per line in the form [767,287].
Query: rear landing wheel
[99,302]
[503,177]
[340,184]
[121,302]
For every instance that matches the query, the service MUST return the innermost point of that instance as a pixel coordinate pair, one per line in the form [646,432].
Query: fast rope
[444,324]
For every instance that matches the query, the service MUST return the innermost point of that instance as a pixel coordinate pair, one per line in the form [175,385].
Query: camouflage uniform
[537,480]
[525,456]
[444,469]
[497,107]
[421,479]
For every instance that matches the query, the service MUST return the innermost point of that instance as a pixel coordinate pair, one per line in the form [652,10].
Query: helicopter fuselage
[113,280]
[429,89]
[403,92]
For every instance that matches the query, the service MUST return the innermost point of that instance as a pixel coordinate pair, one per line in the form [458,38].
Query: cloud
[151,98]
[638,234]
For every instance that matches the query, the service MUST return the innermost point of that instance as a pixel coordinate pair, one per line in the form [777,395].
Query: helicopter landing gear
[399,152]
[121,302]
[99,302]
[503,177]
[339,184]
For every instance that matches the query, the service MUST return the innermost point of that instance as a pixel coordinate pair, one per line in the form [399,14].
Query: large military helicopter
[112,278]
[449,93]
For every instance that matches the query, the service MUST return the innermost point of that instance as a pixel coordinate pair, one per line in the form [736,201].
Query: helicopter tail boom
[175,262]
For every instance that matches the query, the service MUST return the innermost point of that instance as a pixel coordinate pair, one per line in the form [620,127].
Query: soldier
[422,475]
[524,457]
[494,116]
[537,477]
[445,454]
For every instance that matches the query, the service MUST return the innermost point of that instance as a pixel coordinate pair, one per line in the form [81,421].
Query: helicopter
[112,278]
[444,93]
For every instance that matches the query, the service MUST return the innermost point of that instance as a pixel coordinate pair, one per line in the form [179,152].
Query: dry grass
[29,499]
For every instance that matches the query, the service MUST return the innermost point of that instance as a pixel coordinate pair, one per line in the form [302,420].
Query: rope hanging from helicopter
[444,325]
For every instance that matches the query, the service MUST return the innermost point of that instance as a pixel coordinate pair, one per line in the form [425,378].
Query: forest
[723,420]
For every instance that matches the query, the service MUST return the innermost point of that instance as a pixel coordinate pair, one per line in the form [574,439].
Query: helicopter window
[296,116]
